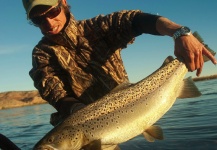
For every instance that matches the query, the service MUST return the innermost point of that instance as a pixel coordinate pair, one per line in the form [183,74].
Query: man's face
[50,20]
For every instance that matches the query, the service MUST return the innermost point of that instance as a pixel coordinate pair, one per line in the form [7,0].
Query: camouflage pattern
[84,60]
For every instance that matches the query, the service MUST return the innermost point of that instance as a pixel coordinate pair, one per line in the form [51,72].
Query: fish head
[63,138]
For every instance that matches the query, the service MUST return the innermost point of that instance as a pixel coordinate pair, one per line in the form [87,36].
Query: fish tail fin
[189,89]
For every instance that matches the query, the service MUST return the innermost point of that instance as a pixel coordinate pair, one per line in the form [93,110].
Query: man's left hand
[192,51]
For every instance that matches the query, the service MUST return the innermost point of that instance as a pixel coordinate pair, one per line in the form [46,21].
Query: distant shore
[205,78]
[15,99]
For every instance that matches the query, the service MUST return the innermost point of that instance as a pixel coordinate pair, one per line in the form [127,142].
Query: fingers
[198,59]
[199,71]
[209,55]
[192,51]
[189,62]
[194,60]
[199,62]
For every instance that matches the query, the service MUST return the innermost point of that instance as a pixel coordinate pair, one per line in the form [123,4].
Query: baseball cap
[29,4]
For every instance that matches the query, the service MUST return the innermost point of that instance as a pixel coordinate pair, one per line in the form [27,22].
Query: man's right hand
[68,105]
[65,107]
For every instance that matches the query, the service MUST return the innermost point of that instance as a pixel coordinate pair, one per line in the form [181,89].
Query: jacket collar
[68,36]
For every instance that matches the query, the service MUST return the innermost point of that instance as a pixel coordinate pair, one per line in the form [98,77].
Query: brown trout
[126,112]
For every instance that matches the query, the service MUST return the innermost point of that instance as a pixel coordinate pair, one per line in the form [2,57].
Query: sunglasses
[52,13]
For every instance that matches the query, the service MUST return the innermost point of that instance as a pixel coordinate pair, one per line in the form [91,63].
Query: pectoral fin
[152,133]
[94,145]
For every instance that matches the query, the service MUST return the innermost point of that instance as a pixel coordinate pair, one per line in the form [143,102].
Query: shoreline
[205,78]
[14,99]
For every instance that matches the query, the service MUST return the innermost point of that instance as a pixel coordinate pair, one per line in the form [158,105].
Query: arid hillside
[25,98]
[19,98]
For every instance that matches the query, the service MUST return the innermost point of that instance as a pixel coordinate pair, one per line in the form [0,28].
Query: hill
[14,99]
[19,98]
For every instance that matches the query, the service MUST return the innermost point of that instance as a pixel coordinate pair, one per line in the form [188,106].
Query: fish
[126,112]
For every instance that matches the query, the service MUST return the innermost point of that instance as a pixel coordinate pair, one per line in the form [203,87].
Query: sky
[145,55]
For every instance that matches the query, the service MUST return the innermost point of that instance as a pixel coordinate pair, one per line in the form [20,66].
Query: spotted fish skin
[124,113]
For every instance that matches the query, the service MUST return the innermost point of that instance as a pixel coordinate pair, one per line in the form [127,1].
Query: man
[78,62]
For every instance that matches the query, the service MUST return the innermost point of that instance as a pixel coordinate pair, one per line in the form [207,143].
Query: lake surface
[189,124]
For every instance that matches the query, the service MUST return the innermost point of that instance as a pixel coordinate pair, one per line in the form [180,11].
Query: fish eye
[50,140]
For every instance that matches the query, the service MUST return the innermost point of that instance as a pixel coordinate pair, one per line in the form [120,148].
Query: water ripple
[189,124]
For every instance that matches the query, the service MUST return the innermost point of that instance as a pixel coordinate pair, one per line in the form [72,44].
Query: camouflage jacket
[84,60]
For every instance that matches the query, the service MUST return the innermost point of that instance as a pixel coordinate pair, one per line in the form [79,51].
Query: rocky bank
[14,99]
[25,98]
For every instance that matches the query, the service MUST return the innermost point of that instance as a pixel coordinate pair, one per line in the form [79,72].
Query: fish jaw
[61,138]
[45,147]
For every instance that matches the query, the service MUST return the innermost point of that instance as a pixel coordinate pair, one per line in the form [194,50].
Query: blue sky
[18,38]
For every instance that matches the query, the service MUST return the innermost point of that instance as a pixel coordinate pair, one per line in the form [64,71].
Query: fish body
[125,112]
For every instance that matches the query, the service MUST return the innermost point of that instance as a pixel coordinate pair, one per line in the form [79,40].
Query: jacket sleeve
[48,77]
[145,23]
[114,29]
[120,28]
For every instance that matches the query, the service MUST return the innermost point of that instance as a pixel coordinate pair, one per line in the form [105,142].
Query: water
[189,124]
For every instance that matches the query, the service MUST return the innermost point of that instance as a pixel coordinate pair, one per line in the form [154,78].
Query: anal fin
[152,133]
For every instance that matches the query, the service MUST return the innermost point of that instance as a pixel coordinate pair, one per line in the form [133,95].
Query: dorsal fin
[167,60]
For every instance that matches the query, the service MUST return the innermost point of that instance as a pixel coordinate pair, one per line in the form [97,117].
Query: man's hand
[68,105]
[192,51]
[65,107]
[186,47]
